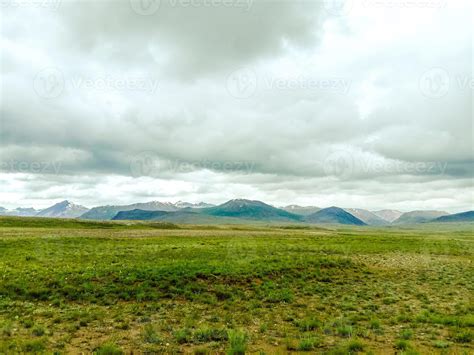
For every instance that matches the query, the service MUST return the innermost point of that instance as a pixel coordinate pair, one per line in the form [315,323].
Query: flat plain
[109,288]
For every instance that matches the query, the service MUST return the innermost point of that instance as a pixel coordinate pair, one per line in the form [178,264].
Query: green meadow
[109,288]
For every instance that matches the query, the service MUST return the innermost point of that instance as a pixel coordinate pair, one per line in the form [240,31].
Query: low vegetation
[114,288]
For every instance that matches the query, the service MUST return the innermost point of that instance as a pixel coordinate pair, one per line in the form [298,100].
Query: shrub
[33,346]
[38,331]
[308,324]
[108,349]
[406,334]
[7,329]
[308,344]
[374,324]
[150,334]
[238,342]
[182,336]
[345,331]
[28,323]
[402,345]
[440,344]
[210,334]
[463,337]
[355,346]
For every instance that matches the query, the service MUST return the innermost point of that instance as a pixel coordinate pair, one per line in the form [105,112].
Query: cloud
[283,101]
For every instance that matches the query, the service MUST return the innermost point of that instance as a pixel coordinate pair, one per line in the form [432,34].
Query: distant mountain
[457,217]
[109,212]
[334,215]
[301,210]
[388,215]
[182,204]
[139,215]
[64,209]
[419,216]
[252,210]
[367,217]
[22,212]
[183,216]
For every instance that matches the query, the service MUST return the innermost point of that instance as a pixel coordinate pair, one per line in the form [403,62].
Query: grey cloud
[189,38]
[299,141]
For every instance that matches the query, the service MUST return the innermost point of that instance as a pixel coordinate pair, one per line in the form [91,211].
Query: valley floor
[236,289]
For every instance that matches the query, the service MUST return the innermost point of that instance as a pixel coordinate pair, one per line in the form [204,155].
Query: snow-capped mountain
[64,209]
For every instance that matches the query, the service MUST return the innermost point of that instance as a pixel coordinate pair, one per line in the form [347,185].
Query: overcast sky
[367,105]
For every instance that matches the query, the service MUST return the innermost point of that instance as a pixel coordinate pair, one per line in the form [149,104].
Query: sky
[362,104]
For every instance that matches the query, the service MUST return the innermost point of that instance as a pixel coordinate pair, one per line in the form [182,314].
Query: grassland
[71,287]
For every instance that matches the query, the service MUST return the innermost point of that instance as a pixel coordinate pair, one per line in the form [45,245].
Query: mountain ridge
[63,209]
[335,215]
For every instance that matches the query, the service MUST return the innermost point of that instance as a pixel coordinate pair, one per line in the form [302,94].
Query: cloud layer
[289,102]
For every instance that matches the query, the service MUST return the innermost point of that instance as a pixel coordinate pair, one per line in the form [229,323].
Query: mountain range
[418,217]
[64,209]
[334,215]
[239,211]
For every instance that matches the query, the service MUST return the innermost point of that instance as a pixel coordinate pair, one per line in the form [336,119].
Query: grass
[238,342]
[108,349]
[70,286]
